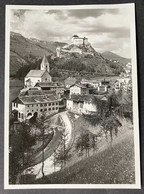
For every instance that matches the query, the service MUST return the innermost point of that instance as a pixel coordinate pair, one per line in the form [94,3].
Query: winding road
[52,146]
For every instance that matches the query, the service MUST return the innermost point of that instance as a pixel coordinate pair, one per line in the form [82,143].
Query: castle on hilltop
[78,45]
[76,40]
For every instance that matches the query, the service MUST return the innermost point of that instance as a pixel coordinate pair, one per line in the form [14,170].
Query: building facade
[50,86]
[35,76]
[79,89]
[34,104]
[81,104]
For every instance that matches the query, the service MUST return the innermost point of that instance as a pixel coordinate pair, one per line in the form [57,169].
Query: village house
[79,89]
[51,86]
[81,104]
[35,76]
[84,81]
[95,83]
[69,81]
[84,104]
[33,102]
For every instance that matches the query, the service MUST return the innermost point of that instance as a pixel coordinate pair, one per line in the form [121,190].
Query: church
[35,76]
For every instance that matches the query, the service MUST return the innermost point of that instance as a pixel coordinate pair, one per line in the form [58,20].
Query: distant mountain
[24,50]
[27,53]
[112,56]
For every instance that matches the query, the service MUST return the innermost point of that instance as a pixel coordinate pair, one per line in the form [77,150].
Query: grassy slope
[22,47]
[111,165]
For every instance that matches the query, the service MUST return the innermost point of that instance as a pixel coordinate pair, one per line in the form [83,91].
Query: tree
[62,154]
[106,115]
[43,123]
[20,144]
[83,143]
[109,124]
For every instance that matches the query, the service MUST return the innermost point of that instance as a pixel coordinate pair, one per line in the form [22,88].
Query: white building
[35,76]
[33,103]
[51,86]
[79,89]
[95,83]
[81,104]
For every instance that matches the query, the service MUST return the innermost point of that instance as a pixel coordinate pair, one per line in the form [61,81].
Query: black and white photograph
[71,100]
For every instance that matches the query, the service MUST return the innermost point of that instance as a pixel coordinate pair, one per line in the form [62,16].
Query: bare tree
[62,154]
[43,124]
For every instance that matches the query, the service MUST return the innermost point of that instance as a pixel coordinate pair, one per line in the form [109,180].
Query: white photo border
[137,185]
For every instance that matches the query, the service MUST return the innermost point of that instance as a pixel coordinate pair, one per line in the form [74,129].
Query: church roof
[44,61]
[35,73]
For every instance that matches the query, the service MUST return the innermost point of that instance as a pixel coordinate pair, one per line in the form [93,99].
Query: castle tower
[44,64]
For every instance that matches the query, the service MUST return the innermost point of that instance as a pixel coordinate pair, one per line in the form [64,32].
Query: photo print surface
[71,102]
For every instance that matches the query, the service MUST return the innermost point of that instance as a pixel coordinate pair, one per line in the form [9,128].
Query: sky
[106,29]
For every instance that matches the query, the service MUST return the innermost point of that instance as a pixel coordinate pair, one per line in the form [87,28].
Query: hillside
[24,51]
[26,54]
[112,165]
[112,56]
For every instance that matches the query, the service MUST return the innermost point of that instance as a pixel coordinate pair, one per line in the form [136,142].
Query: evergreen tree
[20,145]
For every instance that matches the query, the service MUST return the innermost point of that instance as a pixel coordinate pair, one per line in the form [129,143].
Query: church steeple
[45,64]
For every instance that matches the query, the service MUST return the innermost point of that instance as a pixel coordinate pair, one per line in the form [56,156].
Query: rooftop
[36,99]
[79,85]
[48,84]
[35,73]
[70,81]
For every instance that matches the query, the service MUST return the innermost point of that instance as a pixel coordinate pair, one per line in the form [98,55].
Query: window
[41,110]
[41,105]
[53,108]
[32,110]
[45,104]
[56,108]
[27,105]
[45,109]
[53,103]
[49,104]
[49,109]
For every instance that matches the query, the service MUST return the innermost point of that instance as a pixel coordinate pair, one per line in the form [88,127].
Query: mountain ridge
[27,53]
[113,56]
